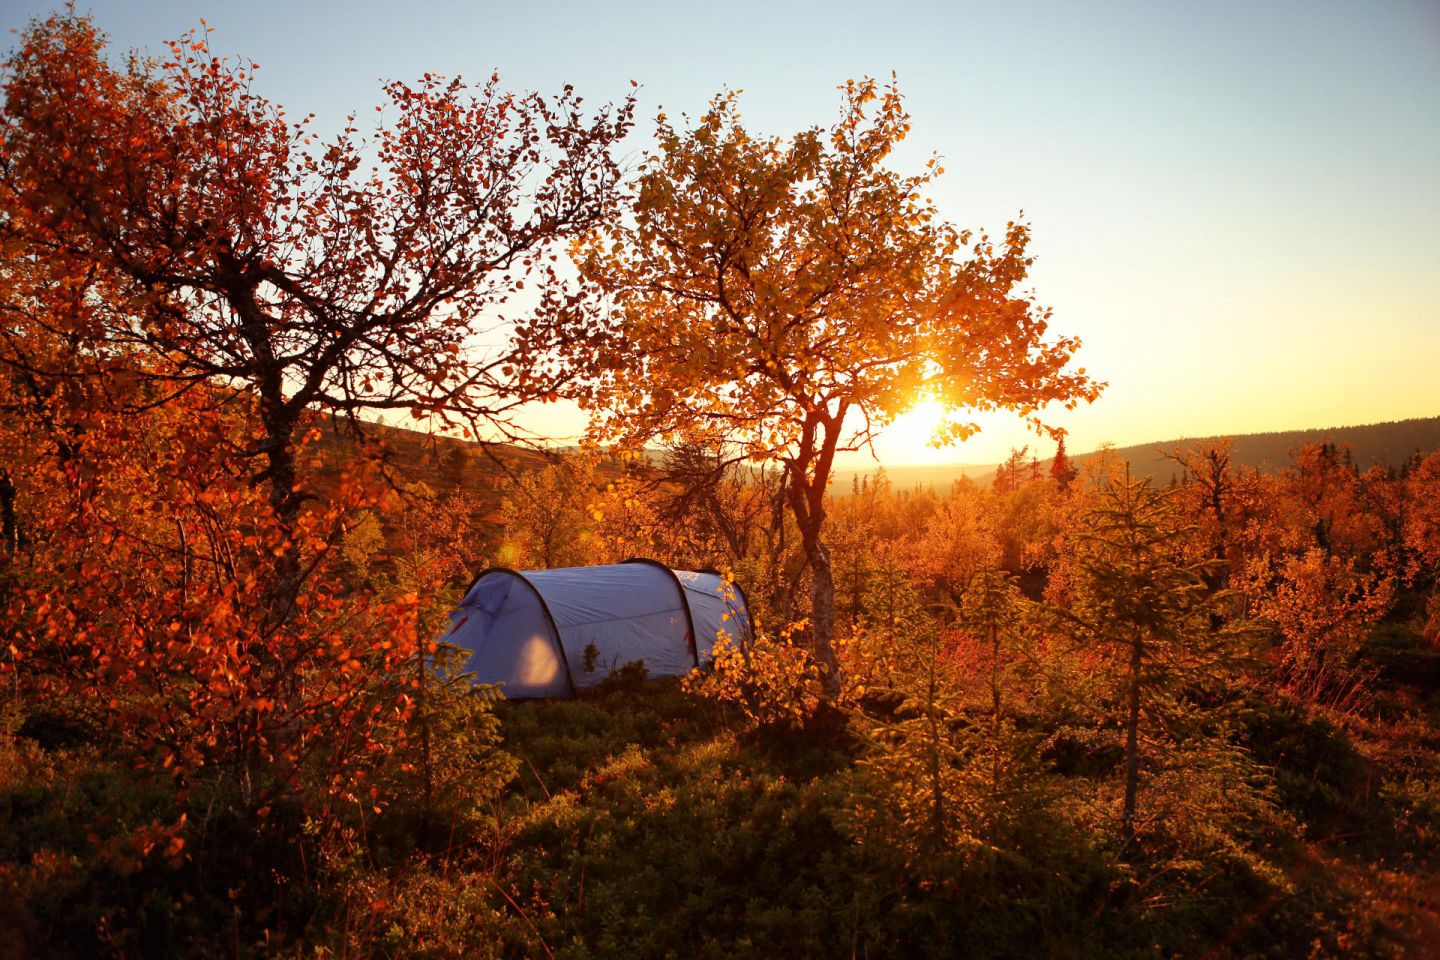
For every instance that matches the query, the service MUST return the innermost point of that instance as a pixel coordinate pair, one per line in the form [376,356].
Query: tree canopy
[242,251]
[793,295]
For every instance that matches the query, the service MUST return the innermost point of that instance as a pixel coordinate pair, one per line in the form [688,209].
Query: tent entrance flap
[513,641]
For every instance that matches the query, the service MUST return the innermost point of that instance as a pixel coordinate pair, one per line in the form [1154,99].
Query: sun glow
[907,440]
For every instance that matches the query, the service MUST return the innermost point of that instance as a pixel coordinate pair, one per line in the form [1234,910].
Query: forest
[262,420]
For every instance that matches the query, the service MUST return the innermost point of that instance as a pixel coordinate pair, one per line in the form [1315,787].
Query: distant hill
[1370,444]
[445,463]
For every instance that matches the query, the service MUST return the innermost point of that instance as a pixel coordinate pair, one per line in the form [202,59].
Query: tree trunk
[822,585]
[994,708]
[808,476]
[285,499]
[1132,743]
[9,525]
[278,418]
[937,779]
[427,770]
[822,612]
[1219,579]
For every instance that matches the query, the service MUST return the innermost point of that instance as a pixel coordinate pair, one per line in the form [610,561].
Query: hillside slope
[447,463]
[1370,444]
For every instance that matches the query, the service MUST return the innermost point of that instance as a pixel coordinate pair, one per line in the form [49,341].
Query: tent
[547,633]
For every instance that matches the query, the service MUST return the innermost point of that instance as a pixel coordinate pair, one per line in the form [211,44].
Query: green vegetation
[643,820]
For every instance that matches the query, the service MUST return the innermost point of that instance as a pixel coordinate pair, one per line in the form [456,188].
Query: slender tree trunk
[808,477]
[427,770]
[937,781]
[1220,553]
[889,601]
[822,607]
[995,708]
[9,525]
[278,418]
[281,475]
[1132,743]
[855,591]
[278,421]
[780,594]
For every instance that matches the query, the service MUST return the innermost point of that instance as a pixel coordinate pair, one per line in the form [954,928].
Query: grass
[648,822]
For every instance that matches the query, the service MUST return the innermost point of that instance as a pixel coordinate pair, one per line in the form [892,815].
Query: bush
[772,683]
[1317,770]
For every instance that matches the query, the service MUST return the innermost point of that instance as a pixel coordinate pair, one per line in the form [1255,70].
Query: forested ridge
[1389,443]
[1080,709]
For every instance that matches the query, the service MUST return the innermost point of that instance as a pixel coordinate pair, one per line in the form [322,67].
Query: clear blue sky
[1235,205]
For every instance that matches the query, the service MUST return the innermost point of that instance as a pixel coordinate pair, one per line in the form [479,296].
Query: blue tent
[547,633]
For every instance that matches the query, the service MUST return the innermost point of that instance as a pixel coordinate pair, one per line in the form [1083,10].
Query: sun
[907,439]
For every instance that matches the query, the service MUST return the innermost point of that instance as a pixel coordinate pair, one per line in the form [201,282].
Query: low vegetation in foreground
[647,820]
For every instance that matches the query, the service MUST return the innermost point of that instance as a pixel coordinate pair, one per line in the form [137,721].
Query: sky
[1236,206]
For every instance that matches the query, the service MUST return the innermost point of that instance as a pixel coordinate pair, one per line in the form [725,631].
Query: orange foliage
[238,251]
[190,279]
[958,542]
[140,592]
[1422,535]
[794,295]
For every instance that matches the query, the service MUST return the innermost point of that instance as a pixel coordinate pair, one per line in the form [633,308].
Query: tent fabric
[717,608]
[545,633]
[529,660]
